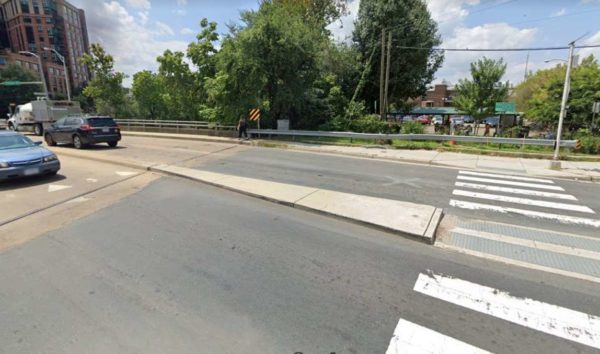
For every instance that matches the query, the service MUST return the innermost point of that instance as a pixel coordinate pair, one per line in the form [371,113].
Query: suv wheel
[113,144]
[77,142]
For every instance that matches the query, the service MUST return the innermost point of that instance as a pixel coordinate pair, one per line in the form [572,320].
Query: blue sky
[137,31]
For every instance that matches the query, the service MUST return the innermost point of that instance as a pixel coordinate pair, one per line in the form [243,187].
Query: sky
[135,32]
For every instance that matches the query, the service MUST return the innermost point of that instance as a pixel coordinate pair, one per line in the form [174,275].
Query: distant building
[32,25]
[442,95]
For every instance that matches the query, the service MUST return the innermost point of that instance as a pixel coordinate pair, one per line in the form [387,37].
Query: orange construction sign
[255,114]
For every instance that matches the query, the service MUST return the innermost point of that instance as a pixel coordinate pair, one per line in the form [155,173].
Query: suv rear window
[101,122]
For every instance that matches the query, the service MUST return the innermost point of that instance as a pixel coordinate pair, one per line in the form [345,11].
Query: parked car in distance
[21,157]
[407,119]
[457,119]
[437,120]
[83,131]
[468,119]
[424,119]
[493,121]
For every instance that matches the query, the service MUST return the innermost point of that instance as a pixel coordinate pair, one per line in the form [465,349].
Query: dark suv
[83,131]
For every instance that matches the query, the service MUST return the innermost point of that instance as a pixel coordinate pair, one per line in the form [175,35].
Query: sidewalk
[575,170]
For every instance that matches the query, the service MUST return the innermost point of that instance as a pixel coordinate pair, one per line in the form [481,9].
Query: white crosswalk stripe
[547,318]
[511,183]
[499,193]
[528,192]
[410,338]
[510,177]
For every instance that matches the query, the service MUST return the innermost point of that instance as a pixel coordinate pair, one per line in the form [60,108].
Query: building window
[38,20]
[27,19]
[2,61]
[25,6]
[36,7]
[29,33]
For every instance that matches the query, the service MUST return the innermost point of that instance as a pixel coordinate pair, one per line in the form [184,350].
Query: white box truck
[36,116]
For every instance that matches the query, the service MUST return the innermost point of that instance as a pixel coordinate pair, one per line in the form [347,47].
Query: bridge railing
[176,126]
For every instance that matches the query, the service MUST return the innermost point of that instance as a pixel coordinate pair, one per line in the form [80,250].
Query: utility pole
[387,75]
[555,164]
[64,63]
[382,74]
[526,67]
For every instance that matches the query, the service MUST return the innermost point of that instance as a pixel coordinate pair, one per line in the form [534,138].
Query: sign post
[255,116]
[595,109]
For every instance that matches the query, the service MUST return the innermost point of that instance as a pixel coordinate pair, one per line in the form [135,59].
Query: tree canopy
[478,96]
[16,94]
[411,25]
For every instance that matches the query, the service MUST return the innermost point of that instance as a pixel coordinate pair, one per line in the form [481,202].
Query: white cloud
[133,45]
[139,4]
[342,29]
[488,36]
[181,2]
[186,31]
[593,40]
[164,29]
[180,12]
[449,13]
[143,17]
[560,12]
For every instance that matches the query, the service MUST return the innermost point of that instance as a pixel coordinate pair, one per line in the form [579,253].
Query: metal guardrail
[413,137]
[173,124]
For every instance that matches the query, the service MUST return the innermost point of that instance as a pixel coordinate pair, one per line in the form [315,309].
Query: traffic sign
[255,114]
[11,83]
[505,107]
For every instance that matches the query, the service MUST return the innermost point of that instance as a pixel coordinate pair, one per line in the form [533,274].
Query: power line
[496,49]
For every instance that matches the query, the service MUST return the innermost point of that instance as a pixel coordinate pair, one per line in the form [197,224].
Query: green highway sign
[11,83]
[505,107]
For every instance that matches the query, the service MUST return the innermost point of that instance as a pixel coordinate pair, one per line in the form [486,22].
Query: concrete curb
[404,222]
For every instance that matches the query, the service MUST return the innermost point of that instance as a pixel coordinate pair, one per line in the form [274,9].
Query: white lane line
[514,178]
[411,338]
[551,319]
[126,174]
[524,201]
[510,183]
[529,213]
[528,192]
[57,187]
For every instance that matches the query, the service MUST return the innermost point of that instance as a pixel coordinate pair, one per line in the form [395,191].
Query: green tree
[148,91]
[543,105]
[106,86]
[271,63]
[478,96]
[411,25]
[181,88]
[16,94]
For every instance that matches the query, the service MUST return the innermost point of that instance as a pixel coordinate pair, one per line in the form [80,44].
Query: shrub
[590,144]
[368,124]
[412,128]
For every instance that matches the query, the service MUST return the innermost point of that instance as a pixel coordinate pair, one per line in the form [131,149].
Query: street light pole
[62,59]
[41,70]
[555,164]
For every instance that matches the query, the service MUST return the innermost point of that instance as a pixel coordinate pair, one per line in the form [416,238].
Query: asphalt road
[401,181]
[180,267]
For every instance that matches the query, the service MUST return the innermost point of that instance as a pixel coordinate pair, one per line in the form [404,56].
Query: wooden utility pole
[382,75]
[387,75]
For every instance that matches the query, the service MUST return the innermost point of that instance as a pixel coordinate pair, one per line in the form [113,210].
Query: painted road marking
[126,174]
[515,178]
[412,338]
[551,319]
[92,180]
[529,192]
[510,183]
[530,213]
[525,201]
[57,187]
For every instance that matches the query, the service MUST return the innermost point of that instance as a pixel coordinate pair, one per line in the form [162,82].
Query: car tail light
[85,127]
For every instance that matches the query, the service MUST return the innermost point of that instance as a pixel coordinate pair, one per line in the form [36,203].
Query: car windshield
[8,142]
[101,122]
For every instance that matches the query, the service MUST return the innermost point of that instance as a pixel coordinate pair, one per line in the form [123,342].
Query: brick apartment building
[32,25]
[442,95]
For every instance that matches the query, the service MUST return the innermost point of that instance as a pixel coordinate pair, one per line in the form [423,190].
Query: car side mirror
[37,143]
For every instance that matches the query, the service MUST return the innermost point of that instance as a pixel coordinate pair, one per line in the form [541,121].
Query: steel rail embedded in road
[413,137]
